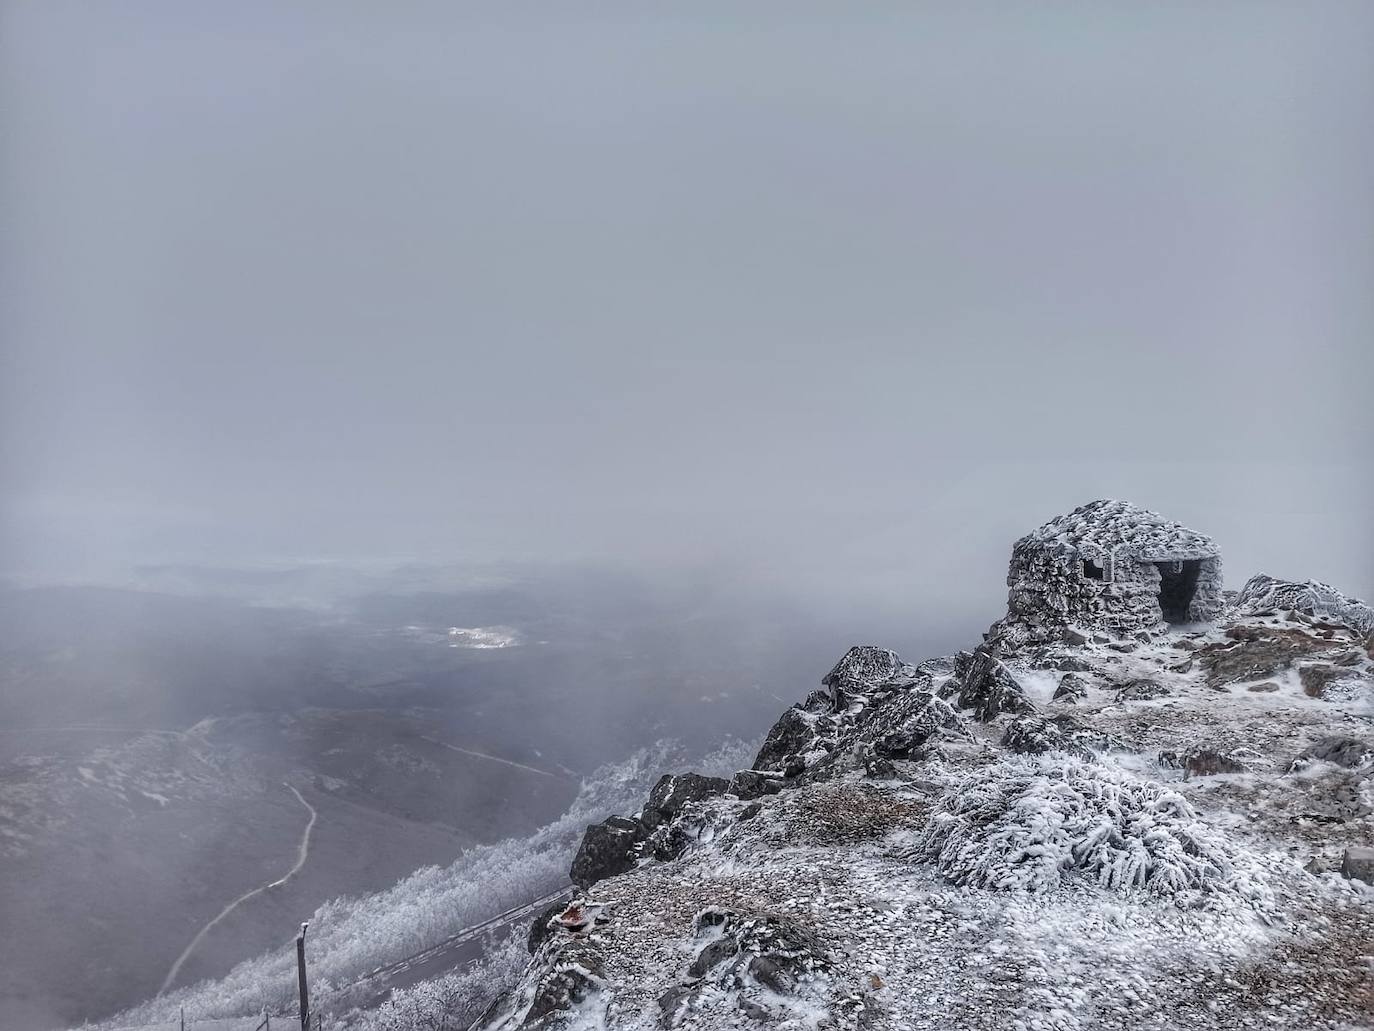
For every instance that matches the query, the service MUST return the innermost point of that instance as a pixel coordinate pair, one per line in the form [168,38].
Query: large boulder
[608,848]
[905,724]
[1358,863]
[863,667]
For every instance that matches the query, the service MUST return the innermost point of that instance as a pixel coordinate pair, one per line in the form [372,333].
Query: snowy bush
[451,1002]
[1034,823]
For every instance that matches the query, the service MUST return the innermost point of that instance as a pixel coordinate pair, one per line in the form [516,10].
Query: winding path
[302,852]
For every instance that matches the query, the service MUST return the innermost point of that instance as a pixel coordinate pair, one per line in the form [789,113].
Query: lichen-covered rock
[608,848]
[1264,594]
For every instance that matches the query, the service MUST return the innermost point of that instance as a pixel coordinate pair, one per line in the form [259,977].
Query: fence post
[183,1018]
[300,977]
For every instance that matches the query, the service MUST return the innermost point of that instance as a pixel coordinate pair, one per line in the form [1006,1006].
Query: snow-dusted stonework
[1111,566]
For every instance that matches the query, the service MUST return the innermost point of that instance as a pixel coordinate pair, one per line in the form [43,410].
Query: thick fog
[838,299]
[673,349]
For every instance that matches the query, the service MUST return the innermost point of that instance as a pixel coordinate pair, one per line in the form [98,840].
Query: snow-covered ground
[1162,852]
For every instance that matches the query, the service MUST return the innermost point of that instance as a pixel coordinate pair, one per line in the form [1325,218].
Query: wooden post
[183,1018]
[300,977]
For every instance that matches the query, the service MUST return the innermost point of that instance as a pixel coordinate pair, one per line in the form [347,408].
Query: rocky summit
[1168,829]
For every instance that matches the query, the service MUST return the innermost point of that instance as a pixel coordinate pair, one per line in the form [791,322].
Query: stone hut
[1110,566]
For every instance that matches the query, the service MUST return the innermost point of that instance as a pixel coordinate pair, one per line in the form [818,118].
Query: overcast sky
[848,295]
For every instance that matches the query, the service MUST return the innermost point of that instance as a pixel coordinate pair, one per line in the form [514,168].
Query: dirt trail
[302,853]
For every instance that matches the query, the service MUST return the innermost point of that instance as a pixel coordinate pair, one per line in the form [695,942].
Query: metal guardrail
[467,934]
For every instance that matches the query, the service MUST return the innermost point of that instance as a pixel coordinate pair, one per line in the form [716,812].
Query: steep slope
[1161,832]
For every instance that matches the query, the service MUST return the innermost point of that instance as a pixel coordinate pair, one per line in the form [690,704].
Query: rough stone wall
[1208,602]
[1049,591]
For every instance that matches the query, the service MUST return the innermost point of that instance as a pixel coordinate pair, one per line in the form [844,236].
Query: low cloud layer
[825,297]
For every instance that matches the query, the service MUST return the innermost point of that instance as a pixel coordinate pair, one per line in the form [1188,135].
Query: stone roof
[1101,526]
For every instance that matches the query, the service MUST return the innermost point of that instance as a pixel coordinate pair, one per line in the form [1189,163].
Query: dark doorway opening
[1177,585]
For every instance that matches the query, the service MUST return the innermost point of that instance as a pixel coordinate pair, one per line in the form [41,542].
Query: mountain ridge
[1061,830]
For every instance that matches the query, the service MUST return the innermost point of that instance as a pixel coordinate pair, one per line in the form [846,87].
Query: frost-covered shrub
[1035,823]
[451,1002]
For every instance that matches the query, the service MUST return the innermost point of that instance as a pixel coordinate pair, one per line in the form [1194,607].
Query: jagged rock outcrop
[1263,594]
[608,848]
[674,792]
[801,890]
[878,708]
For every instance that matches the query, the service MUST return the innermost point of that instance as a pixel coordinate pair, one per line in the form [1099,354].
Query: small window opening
[1091,570]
